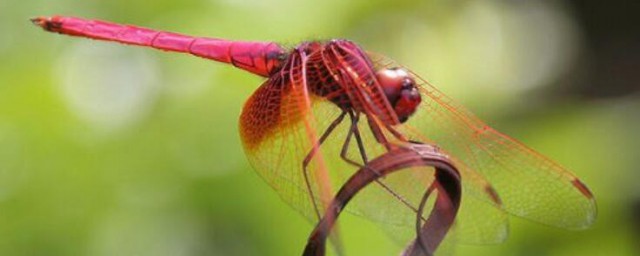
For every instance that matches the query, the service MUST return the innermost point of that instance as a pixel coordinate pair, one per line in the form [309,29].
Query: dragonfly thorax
[401,91]
[342,73]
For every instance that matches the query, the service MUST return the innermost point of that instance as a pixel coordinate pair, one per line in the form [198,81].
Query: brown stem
[435,228]
[447,182]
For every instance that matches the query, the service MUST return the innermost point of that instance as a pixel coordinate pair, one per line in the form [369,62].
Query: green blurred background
[114,150]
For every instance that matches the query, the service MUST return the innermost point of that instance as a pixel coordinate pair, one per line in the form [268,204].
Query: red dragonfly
[329,106]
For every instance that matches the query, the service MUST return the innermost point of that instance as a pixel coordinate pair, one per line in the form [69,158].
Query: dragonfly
[327,107]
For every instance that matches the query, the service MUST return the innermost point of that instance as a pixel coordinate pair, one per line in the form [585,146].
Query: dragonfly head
[400,89]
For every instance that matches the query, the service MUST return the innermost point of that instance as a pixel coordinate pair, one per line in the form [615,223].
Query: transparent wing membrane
[283,121]
[529,184]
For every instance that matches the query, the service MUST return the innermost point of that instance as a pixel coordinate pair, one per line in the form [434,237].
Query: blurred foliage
[114,150]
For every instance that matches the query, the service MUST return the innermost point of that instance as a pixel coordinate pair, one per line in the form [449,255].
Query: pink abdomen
[261,58]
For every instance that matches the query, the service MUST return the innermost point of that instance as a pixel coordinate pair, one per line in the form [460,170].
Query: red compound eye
[400,90]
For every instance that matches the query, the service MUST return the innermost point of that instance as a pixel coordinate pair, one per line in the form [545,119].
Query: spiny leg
[356,132]
[353,130]
[395,133]
[378,134]
[313,152]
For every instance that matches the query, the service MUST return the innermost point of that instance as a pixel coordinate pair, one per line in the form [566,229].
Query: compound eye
[400,90]
[392,81]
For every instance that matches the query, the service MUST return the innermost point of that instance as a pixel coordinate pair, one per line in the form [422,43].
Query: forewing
[529,184]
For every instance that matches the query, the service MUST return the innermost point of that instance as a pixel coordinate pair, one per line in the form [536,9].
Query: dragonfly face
[401,91]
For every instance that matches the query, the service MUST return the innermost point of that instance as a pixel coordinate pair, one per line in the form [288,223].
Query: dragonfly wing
[529,184]
[278,131]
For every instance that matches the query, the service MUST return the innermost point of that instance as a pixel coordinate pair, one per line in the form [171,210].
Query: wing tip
[591,214]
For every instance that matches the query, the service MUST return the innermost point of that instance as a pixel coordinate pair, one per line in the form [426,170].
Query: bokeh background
[114,150]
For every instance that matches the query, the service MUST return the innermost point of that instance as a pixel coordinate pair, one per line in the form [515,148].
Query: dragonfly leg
[395,133]
[345,148]
[376,130]
[313,152]
[356,133]
[353,130]
[378,134]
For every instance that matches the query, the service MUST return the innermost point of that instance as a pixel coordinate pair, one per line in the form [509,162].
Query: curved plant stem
[446,182]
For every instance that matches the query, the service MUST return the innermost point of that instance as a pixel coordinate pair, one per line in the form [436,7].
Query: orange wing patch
[261,113]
